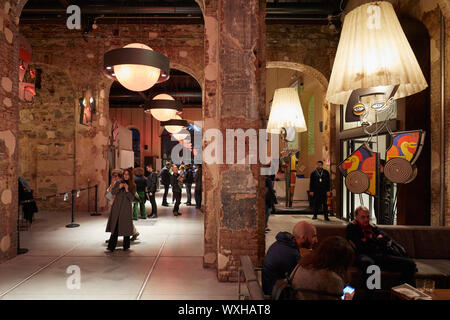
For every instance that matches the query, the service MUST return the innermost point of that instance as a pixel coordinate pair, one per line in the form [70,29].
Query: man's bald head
[305,235]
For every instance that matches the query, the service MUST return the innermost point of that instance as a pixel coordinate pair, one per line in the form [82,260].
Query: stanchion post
[96,203]
[73,224]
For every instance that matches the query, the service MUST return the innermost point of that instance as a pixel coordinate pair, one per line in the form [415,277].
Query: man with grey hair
[284,254]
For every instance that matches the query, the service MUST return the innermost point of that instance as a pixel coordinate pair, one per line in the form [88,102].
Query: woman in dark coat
[120,222]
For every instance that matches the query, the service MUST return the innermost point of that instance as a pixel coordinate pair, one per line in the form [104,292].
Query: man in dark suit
[165,181]
[152,181]
[319,189]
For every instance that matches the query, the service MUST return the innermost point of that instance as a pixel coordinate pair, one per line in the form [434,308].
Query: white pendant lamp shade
[174,129]
[163,114]
[373,51]
[286,112]
[136,77]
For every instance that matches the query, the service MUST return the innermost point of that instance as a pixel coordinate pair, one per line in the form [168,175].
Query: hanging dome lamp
[175,125]
[136,66]
[163,107]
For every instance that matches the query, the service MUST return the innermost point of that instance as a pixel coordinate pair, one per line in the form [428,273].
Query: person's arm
[115,190]
[130,194]
[354,237]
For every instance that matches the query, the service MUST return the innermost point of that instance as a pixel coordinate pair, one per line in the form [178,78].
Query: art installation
[360,171]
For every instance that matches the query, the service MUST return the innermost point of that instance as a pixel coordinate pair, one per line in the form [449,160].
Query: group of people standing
[174,176]
[130,189]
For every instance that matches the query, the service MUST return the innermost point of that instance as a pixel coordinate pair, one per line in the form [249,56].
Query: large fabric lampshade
[373,51]
[286,112]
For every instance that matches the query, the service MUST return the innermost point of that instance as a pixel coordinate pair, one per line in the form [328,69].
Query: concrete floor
[165,263]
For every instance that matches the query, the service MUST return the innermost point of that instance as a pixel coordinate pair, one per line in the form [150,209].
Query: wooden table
[437,294]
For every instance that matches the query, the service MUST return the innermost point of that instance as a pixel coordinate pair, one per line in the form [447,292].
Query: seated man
[284,254]
[372,247]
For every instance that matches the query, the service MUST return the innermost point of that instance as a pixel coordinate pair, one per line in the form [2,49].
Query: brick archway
[305,69]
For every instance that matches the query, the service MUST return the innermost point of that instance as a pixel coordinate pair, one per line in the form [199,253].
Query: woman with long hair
[120,221]
[323,274]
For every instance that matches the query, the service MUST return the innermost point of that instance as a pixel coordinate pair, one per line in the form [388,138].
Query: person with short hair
[284,254]
[152,181]
[141,185]
[177,184]
[372,248]
[165,181]
[323,274]
[319,190]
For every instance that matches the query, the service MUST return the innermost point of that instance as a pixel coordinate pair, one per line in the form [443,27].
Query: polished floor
[165,263]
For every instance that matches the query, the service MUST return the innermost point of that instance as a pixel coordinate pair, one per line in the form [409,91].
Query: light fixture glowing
[286,112]
[136,66]
[163,107]
[175,125]
[373,51]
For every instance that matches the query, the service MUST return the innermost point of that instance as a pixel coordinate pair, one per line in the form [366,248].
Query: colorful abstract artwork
[406,145]
[363,161]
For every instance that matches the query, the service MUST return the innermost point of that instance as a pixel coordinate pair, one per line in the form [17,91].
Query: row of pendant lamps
[138,68]
[373,51]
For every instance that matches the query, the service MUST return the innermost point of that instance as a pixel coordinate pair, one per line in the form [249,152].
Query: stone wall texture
[9,80]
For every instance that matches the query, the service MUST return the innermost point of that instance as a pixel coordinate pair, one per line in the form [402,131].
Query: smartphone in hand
[348,290]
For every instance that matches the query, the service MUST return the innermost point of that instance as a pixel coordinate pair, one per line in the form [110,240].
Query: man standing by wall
[319,189]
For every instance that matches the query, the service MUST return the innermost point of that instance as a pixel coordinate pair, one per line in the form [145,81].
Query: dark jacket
[121,211]
[320,187]
[25,194]
[363,245]
[176,187]
[165,176]
[198,179]
[152,182]
[188,176]
[271,198]
[281,258]
[141,183]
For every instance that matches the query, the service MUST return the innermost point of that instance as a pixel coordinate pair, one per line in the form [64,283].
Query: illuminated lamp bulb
[174,129]
[136,77]
[163,114]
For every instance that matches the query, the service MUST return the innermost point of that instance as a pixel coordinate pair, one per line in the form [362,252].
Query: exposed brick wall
[81,60]
[234,77]
[9,75]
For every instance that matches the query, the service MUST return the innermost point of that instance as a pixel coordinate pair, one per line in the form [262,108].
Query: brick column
[234,99]
[9,82]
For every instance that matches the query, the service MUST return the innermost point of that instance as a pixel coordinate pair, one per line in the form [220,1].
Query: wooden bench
[251,279]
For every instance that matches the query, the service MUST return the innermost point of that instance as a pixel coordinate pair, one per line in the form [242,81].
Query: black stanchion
[19,249]
[73,224]
[96,213]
